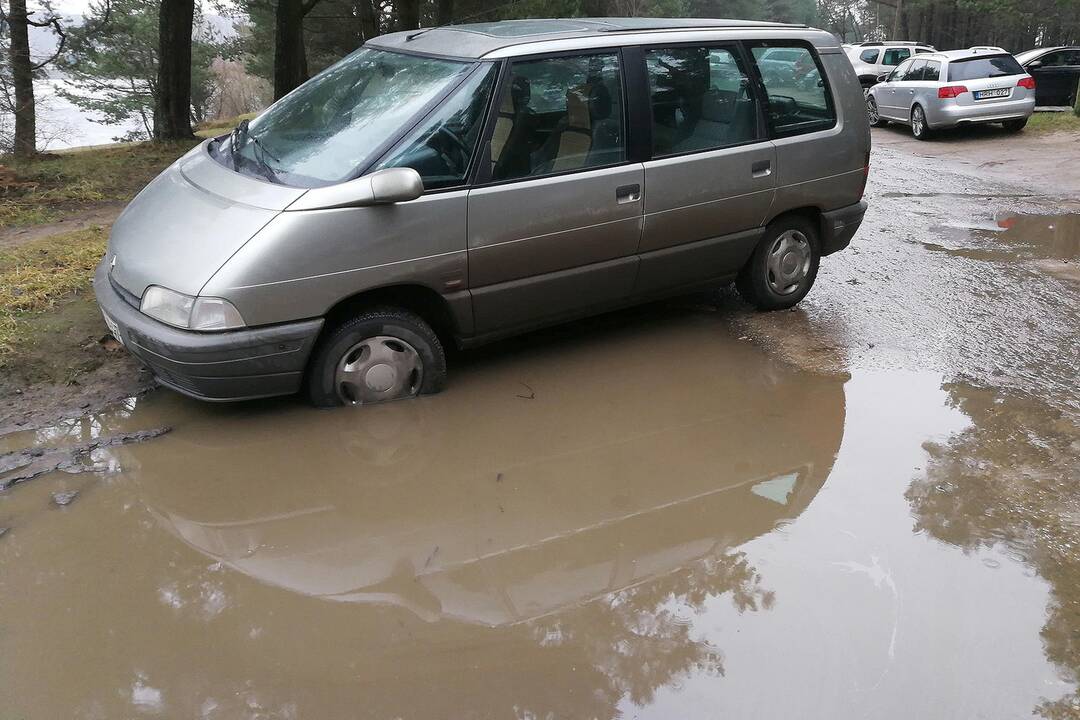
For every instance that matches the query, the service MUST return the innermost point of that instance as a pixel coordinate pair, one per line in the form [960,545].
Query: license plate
[114,329]
[995,93]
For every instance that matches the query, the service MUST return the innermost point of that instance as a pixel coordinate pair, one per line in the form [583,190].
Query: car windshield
[334,124]
[980,68]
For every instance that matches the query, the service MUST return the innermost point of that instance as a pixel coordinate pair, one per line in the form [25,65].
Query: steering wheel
[457,144]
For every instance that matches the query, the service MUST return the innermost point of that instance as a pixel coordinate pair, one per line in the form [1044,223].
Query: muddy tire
[919,128]
[380,355]
[872,113]
[784,265]
[1014,126]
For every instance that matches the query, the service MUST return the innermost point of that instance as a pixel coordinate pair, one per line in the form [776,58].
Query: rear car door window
[869,56]
[559,115]
[797,96]
[932,73]
[443,145]
[895,56]
[700,99]
[915,71]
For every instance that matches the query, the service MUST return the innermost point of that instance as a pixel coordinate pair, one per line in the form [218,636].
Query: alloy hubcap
[917,122]
[788,262]
[871,110]
[378,369]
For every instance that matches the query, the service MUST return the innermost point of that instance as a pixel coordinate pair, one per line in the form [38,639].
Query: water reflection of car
[494,519]
[1056,71]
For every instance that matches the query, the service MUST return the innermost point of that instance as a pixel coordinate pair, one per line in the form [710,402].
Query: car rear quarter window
[982,68]
[869,56]
[932,73]
[797,93]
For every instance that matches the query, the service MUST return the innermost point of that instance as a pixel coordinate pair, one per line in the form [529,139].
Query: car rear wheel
[380,355]
[784,265]
[1014,125]
[872,113]
[919,128]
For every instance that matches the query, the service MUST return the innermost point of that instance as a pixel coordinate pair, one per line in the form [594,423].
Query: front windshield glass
[333,124]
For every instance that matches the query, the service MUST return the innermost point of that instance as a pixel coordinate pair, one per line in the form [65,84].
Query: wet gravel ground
[863,507]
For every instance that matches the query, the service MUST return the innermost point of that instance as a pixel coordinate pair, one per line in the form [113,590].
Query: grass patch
[214,128]
[1045,122]
[46,188]
[36,276]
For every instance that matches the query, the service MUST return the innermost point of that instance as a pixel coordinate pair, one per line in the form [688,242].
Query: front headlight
[190,313]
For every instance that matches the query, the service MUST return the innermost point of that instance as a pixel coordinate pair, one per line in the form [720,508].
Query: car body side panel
[826,169]
[304,262]
[553,238]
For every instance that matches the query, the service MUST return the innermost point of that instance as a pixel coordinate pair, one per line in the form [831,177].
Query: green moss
[44,189]
[1044,122]
[36,276]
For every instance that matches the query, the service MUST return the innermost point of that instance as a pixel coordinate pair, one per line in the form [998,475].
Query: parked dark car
[1056,71]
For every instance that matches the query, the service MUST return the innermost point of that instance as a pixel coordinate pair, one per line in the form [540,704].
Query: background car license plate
[997,92]
[114,329]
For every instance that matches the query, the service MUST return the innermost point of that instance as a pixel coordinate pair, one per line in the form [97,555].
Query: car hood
[188,221]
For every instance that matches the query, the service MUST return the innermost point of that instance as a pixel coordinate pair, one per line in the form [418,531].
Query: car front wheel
[784,265]
[380,355]
[919,128]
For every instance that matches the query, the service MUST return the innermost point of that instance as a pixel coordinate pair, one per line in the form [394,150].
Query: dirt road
[864,507]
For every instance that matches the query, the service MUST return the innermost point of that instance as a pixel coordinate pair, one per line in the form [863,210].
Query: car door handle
[760,169]
[627,194]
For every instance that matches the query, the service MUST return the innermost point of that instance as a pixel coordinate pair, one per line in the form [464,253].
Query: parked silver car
[461,184]
[958,87]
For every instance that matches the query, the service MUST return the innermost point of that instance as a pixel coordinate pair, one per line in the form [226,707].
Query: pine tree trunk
[408,14]
[369,24]
[290,59]
[172,106]
[444,14]
[22,78]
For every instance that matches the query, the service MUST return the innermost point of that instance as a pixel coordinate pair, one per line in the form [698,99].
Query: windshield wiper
[240,135]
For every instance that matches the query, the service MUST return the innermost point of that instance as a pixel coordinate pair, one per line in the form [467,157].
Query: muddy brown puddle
[655,520]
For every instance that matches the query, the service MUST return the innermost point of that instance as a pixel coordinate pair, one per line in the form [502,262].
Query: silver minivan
[461,184]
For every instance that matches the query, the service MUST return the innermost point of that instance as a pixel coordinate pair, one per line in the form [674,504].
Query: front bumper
[949,115]
[224,366]
[839,226]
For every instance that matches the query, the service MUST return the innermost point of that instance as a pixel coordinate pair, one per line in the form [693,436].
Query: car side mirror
[382,187]
[1034,64]
[883,77]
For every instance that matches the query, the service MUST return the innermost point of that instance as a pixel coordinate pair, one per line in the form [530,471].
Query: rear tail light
[1027,82]
[951,91]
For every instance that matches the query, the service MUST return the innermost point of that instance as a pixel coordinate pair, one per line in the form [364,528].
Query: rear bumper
[226,366]
[951,115]
[839,226]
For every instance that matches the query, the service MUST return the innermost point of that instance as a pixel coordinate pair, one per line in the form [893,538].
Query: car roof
[519,37]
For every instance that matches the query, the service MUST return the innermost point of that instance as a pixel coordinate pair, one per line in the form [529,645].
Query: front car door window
[442,147]
[558,115]
[700,99]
